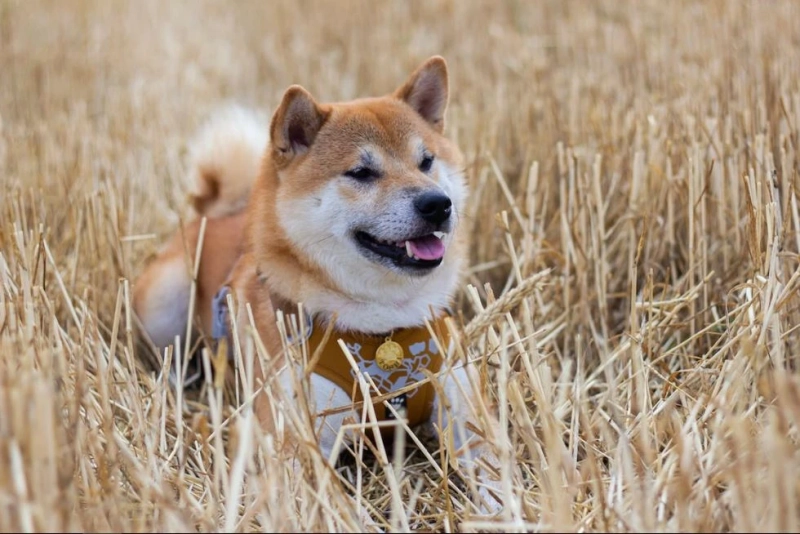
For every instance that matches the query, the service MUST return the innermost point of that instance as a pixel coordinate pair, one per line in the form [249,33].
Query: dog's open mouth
[426,251]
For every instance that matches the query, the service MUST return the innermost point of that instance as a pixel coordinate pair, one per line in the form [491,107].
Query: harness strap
[220,314]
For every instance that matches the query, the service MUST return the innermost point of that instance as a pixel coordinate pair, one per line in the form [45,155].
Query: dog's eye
[426,163]
[361,173]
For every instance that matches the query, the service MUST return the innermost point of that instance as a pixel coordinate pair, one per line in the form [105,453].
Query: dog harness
[397,364]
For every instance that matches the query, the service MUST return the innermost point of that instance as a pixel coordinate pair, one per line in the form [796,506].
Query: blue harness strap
[219,314]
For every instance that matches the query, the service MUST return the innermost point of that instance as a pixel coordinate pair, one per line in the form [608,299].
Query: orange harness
[395,363]
[417,352]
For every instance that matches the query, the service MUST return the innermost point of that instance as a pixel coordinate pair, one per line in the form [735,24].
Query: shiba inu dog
[351,209]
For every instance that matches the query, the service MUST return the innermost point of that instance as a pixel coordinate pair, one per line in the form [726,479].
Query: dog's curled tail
[224,161]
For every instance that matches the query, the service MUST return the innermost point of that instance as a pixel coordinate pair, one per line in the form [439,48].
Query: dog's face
[371,190]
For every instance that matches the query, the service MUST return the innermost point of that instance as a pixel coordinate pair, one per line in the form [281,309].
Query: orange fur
[222,246]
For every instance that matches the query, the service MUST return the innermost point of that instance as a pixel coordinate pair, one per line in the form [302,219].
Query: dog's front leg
[321,396]
[460,413]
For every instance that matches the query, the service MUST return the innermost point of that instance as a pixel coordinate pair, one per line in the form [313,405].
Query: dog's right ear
[295,123]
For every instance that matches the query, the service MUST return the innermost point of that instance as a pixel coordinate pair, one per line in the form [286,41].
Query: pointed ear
[426,91]
[296,122]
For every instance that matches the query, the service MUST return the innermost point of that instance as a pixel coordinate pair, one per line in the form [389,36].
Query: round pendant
[389,355]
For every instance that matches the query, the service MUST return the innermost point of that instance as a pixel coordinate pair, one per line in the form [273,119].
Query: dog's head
[370,190]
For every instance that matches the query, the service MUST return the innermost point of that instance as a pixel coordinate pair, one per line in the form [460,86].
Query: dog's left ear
[426,91]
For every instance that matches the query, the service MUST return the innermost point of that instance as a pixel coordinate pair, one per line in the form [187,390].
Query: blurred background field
[633,169]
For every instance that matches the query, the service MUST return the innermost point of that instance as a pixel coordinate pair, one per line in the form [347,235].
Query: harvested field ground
[632,297]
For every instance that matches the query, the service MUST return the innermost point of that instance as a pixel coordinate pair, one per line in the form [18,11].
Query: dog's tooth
[439,235]
[408,249]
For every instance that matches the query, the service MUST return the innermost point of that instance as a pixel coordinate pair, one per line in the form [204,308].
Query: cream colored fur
[224,160]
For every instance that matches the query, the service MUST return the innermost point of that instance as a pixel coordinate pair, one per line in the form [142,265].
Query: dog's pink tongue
[428,247]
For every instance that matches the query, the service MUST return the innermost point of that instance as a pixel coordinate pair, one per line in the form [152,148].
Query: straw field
[632,297]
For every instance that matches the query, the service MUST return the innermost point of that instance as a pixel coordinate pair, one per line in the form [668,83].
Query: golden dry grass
[634,282]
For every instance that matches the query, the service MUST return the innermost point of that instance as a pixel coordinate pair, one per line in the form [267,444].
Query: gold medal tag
[389,355]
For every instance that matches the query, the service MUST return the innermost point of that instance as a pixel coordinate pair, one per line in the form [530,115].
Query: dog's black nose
[433,206]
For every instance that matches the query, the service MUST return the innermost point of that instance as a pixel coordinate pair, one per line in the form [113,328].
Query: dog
[352,209]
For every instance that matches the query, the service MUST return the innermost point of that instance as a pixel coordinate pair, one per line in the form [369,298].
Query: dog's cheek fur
[323,235]
[318,223]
